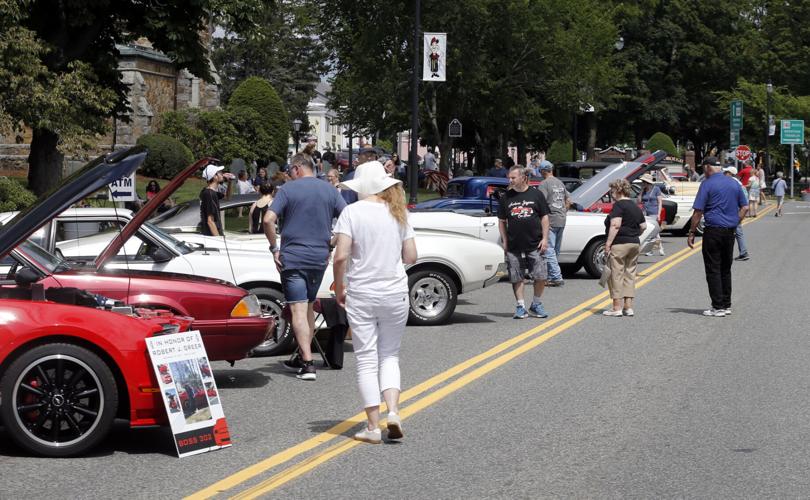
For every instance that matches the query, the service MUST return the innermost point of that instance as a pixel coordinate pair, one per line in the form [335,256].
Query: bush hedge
[258,94]
[13,196]
[559,151]
[660,140]
[167,156]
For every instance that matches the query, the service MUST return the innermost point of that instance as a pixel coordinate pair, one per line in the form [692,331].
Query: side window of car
[6,265]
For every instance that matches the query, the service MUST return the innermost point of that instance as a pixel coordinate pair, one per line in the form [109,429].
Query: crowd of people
[360,220]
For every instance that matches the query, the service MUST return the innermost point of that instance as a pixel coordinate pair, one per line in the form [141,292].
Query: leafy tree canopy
[257,94]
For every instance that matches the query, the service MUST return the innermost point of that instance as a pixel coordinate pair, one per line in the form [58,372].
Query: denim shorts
[301,285]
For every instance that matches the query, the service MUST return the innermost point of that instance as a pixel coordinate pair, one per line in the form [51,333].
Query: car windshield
[168,240]
[175,210]
[44,259]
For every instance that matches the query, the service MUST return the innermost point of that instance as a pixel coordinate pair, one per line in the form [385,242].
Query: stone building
[156,85]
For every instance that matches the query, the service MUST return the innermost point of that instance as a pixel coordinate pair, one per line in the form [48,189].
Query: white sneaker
[661,252]
[717,313]
[628,312]
[394,426]
[367,436]
[648,254]
[727,311]
[611,312]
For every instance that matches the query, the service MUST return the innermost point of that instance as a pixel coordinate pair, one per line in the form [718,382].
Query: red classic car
[229,318]
[69,368]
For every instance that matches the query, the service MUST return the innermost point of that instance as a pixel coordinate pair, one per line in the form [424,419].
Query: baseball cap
[546,165]
[211,170]
[731,170]
[710,160]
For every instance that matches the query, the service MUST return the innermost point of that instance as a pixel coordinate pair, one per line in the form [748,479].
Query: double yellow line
[552,328]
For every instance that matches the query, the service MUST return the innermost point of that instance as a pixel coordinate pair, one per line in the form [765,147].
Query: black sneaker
[294,364]
[742,257]
[307,372]
[555,282]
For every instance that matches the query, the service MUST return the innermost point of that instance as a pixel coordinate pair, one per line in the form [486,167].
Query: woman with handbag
[373,241]
[623,226]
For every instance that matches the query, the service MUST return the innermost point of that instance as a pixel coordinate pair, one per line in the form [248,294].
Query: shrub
[222,138]
[559,151]
[182,125]
[258,94]
[167,156]
[660,140]
[13,196]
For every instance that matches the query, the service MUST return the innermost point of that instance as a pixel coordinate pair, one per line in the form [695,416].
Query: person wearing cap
[722,205]
[652,199]
[498,170]
[558,199]
[307,205]
[739,236]
[374,240]
[210,221]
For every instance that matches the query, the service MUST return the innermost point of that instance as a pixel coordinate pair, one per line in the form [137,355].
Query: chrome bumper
[499,273]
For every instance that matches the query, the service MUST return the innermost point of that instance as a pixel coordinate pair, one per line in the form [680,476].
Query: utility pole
[413,163]
[768,91]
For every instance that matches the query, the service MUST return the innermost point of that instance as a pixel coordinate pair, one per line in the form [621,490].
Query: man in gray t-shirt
[558,200]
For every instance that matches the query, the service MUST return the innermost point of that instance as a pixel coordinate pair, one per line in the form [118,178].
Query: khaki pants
[622,261]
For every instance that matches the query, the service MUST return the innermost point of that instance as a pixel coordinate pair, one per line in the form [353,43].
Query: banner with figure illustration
[434,60]
[189,392]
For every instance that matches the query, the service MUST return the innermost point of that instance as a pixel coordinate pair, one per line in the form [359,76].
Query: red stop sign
[742,152]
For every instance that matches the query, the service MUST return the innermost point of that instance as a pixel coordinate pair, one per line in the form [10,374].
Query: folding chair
[286,315]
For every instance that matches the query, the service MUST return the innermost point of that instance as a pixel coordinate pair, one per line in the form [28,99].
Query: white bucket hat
[370,178]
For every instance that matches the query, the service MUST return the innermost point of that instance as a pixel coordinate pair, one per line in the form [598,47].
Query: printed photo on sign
[189,391]
[192,391]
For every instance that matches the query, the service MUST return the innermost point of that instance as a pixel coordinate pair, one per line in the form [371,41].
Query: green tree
[283,47]
[660,140]
[69,58]
[559,151]
[257,94]
[13,196]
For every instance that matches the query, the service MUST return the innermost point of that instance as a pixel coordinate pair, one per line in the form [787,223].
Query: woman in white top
[243,186]
[374,239]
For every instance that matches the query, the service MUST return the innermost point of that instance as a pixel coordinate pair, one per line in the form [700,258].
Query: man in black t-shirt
[210,221]
[523,224]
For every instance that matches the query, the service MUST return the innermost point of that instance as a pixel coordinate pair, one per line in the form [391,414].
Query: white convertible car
[583,241]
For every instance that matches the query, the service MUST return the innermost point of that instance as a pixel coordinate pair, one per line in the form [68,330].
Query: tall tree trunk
[445,142]
[591,147]
[44,161]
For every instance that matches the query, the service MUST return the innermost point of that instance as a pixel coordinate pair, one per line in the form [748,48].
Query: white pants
[377,324]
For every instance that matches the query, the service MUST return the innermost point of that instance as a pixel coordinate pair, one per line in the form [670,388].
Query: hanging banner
[189,393]
[434,60]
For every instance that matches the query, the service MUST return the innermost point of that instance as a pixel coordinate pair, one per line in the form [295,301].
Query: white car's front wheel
[433,296]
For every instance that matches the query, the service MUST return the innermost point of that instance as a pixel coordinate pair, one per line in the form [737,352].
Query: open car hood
[597,186]
[144,213]
[81,184]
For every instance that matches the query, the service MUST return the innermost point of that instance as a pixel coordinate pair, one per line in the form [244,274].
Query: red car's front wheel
[58,400]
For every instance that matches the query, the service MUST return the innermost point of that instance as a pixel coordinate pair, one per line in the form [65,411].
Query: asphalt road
[666,404]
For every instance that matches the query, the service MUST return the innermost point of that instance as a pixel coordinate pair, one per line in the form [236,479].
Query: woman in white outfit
[374,239]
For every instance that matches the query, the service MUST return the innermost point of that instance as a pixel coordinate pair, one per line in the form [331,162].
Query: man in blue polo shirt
[721,203]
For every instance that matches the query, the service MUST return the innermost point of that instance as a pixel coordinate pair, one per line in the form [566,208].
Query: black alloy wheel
[60,400]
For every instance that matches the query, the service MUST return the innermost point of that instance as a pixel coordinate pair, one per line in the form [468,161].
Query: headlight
[248,307]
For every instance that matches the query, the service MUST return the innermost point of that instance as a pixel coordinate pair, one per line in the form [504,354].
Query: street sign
[455,128]
[734,138]
[742,153]
[736,115]
[792,132]
[123,189]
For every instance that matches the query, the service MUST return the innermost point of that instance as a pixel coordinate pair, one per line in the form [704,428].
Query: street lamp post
[413,164]
[521,147]
[769,92]
[296,128]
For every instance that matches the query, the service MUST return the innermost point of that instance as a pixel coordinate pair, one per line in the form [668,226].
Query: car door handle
[489,224]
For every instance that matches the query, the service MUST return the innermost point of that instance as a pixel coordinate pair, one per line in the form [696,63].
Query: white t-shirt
[375,265]
[245,187]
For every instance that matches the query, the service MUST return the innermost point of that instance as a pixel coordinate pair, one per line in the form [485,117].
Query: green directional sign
[734,138]
[736,116]
[792,132]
